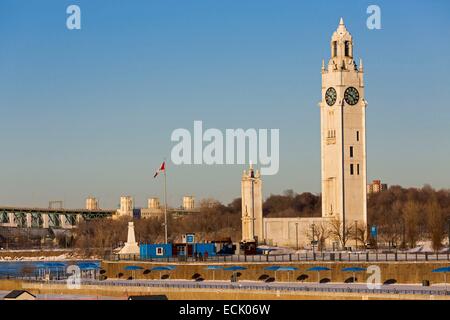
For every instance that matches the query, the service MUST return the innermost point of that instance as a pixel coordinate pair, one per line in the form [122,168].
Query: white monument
[131,246]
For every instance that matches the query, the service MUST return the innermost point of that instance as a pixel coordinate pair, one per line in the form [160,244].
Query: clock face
[330,96]
[351,96]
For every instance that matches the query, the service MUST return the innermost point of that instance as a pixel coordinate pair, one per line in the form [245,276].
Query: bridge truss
[48,217]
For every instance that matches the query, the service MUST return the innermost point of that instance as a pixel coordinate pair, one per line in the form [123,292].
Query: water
[33,268]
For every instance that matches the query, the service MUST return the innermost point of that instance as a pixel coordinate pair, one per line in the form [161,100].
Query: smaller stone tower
[252,217]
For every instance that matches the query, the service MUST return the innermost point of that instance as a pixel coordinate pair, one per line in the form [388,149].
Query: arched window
[347,48]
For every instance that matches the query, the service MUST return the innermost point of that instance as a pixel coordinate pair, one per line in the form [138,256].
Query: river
[32,268]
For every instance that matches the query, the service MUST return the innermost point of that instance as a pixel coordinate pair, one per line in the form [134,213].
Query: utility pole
[403,234]
[252,176]
[165,203]
[448,233]
[296,234]
[313,237]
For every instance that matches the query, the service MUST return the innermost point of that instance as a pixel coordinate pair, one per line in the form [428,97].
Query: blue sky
[91,111]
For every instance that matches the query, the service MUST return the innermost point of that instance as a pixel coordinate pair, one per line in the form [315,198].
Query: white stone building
[343,133]
[252,216]
[126,206]
[188,202]
[343,155]
[153,209]
[92,203]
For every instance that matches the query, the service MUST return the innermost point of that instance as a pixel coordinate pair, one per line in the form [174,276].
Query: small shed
[19,295]
[163,250]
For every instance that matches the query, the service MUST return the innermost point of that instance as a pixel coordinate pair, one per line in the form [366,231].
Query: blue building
[167,250]
[163,250]
[136,213]
[205,248]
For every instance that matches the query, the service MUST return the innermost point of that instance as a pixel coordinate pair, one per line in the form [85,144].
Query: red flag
[161,168]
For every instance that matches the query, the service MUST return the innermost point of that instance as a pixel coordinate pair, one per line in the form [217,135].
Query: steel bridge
[48,218]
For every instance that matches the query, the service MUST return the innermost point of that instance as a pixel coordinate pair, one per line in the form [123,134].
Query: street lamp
[448,234]
[313,237]
[356,234]
[296,234]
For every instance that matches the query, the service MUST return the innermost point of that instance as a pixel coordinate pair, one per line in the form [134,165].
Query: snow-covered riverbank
[42,255]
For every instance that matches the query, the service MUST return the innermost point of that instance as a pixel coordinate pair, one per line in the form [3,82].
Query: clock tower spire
[341,49]
[343,135]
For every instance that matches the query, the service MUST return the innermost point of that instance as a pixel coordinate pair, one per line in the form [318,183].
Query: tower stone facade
[188,202]
[126,206]
[92,203]
[343,159]
[343,133]
[252,217]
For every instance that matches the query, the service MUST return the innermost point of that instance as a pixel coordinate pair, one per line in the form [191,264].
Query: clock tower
[343,134]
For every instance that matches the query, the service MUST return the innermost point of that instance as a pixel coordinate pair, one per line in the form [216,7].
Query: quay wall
[402,272]
[209,294]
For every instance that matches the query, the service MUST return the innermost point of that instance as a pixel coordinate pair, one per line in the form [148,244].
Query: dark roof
[15,293]
[152,297]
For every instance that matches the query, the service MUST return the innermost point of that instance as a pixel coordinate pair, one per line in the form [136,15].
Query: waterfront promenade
[368,256]
[189,289]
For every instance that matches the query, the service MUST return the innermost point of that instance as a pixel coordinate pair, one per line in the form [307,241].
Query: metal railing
[293,257]
[264,287]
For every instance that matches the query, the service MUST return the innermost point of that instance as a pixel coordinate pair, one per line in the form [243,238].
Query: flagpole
[165,203]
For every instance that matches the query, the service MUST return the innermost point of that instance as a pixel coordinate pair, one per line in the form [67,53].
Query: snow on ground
[426,246]
[276,250]
[61,257]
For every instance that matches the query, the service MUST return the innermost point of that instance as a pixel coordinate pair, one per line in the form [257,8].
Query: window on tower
[331,134]
[357,135]
[351,151]
[347,48]
[351,169]
[357,169]
[334,49]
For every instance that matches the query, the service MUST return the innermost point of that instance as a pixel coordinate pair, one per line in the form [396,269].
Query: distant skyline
[90,112]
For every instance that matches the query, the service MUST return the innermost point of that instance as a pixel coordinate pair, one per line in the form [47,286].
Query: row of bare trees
[402,216]
[214,222]
[291,204]
[406,216]
[334,230]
